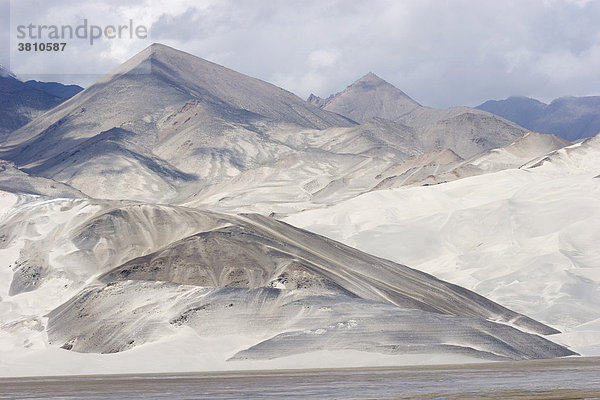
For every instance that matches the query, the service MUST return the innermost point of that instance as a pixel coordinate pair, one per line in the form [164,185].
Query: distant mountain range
[20,102]
[56,89]
[572,118]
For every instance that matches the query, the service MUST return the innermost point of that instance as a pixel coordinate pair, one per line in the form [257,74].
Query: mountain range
[21,102]
[572,118]
[56,89]
[203,125]
[148,217]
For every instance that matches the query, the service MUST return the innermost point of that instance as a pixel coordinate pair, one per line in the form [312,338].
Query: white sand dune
[523,237]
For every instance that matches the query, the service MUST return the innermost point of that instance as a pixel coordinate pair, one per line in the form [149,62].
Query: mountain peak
[142,62]
[216,84]
[159,51]
[369,97]
[316,100]
[371,78]
[161,47]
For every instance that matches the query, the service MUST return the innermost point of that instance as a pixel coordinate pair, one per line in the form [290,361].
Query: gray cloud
[441,53]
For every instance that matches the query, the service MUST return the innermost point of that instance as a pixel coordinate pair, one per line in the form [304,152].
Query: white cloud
[322,59]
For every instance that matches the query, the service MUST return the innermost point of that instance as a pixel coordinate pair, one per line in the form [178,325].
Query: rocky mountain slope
[466,131]
[446,166]
[172,118]
[368,97]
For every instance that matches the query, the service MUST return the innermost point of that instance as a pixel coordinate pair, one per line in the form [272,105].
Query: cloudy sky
[441,53]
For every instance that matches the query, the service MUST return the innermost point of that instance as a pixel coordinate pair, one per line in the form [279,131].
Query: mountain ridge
[57,89]
[572,118]
[20,103]
[465,130]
